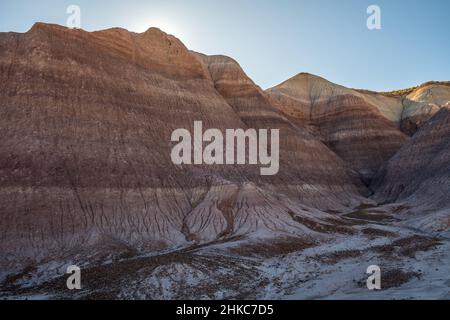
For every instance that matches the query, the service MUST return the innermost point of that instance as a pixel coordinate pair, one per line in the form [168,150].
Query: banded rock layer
[346,121]
[419,173]
[85,127]
[303,156]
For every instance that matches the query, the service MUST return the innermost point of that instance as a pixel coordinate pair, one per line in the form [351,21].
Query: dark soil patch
[334,257]
[376,233]
[400,208]
[408,246]
[272,248]
[369,216]
[347,222]
[333,211]
[396,278]
[334,227]
[392,278]
[9,284]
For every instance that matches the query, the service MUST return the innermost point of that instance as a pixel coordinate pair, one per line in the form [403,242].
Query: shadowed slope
[420,173]
[348,123]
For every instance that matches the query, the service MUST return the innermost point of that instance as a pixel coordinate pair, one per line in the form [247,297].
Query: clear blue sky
[274,40]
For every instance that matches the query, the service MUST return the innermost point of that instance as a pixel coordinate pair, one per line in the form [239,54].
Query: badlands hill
[86,120]
[347,122]
[85,170]
[398,106]
[360,126]
[419,174]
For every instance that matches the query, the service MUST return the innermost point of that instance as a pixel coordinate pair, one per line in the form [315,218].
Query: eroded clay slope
[86,120]
[85,127]
[349,123]
[303,157]
[419,174]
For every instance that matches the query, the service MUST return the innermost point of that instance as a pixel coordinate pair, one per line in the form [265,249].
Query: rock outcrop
[422,104]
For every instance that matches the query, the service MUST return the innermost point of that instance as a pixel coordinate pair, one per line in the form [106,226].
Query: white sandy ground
[299,276]
[216,272]
[346,279]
